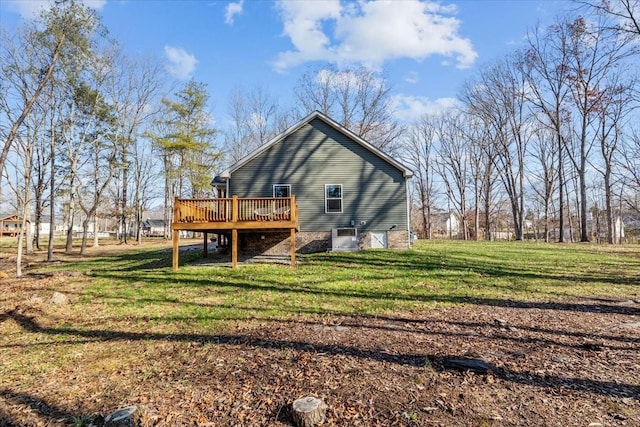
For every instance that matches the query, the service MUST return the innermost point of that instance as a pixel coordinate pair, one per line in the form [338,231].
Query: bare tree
[358,99]
[255,117]
[499,98]
[145,176]
[546,65]
[629,164]
[481,152]
[594,52]
[419,155]
[452,163]
[542,174]
[25,147]
[624,15]
[616,103]
[133,89]
[66,31]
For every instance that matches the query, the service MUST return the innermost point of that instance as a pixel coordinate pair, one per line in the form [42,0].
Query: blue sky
[426,49]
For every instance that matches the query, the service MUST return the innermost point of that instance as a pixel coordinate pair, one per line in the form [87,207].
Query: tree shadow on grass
[407,263]
[40,407]
[274,285]
[607,388]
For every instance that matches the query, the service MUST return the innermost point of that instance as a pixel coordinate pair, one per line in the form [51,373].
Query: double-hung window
[282,190]
[333,198]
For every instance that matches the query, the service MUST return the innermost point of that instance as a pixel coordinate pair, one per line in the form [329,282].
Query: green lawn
[139,286]
[131,320]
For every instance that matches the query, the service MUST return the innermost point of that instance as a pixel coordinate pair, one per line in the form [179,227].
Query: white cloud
[411,108]
[30,9]
[371,32]
[181,63]
[412,77]
[232,10]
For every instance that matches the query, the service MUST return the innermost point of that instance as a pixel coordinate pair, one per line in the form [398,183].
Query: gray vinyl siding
[373,190]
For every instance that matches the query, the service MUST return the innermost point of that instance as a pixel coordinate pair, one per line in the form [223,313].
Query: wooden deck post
[234,209]
[293,247]
[234,248]
[176,249]
[205,248]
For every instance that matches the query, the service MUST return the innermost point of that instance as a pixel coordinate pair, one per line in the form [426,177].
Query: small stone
[430,409]
[123,417]
[617,416]
[560,359]
[628,401]
[500,322]
[340,328]
[595,425]
[59,298]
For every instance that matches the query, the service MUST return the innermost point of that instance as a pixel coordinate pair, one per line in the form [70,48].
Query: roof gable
[407,173]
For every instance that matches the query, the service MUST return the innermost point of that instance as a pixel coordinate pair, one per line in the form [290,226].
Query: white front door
[378,239]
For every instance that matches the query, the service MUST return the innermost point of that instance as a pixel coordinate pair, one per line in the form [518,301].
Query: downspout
[406,192]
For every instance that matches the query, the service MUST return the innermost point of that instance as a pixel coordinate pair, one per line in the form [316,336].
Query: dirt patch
[566,362]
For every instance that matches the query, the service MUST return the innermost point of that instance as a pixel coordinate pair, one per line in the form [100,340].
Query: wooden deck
[234,214]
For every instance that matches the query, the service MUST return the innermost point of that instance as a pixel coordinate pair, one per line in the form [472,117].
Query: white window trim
[334,198]
[280,185]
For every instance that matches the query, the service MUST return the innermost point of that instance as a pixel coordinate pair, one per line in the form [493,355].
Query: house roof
[154,222]
[226,174]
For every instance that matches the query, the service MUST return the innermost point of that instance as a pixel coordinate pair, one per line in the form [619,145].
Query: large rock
[59,298]
[123,417]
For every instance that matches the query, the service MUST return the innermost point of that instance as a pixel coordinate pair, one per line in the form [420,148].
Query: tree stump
[309,411]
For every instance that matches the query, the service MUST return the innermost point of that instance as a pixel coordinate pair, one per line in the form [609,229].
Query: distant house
[446,225]
[153,227]
[10,225]
[318,182]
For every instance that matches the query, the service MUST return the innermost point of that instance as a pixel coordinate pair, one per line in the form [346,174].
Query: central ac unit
[344,239]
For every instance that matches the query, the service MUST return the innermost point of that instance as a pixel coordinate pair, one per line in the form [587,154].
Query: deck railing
[234,210]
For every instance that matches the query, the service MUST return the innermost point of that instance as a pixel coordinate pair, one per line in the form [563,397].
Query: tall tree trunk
[20,244]
[123,207]
[38,217]
[611,237]
[561,186]
[476,214]
[546,219]
[584,231]
[52,181]
[96,243]
[85,232]
[69,242]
